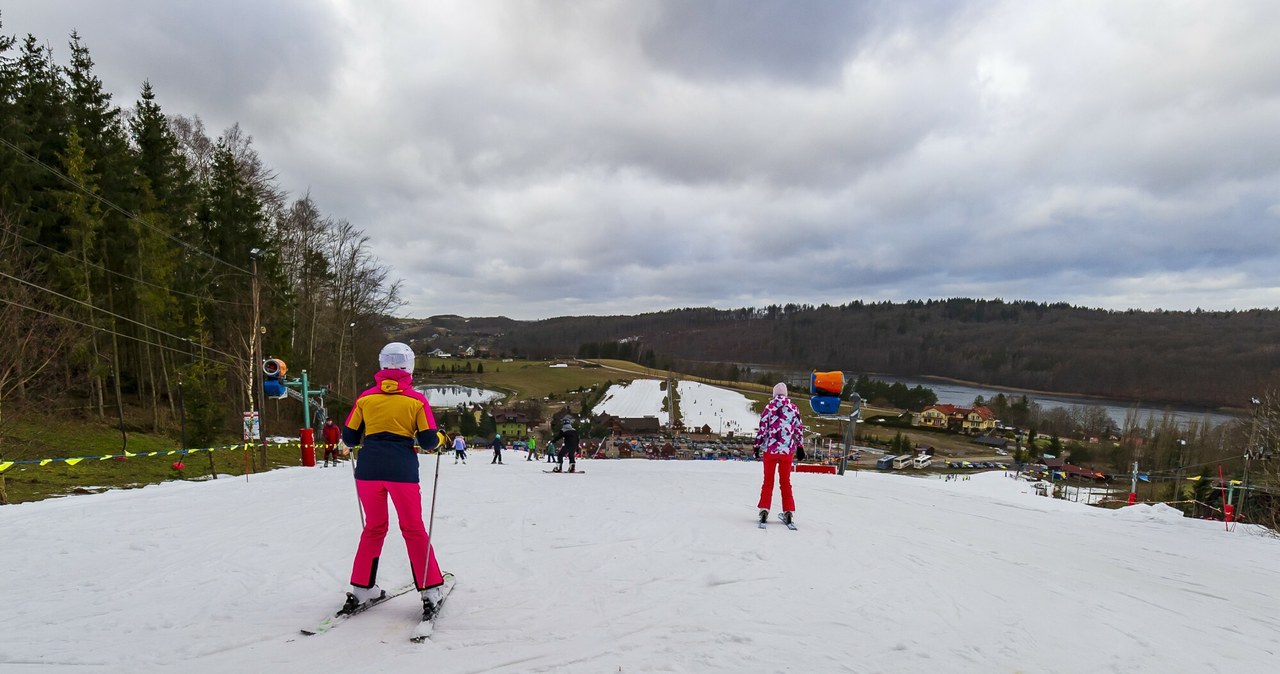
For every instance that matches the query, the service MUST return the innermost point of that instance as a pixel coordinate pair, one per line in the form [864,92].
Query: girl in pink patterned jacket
[780,434]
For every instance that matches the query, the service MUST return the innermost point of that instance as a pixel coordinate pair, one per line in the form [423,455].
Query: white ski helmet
[396,356]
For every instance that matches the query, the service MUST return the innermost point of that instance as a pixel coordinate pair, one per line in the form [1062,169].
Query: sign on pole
[252,427]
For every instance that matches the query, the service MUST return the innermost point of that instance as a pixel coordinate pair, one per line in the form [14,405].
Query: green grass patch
[34,438]
[525,379]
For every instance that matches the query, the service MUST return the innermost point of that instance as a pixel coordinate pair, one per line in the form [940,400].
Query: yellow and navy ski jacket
[385,419]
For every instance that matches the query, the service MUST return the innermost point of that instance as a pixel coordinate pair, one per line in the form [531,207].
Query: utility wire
[128,320]
[126,276]
[234,361]
[132,216]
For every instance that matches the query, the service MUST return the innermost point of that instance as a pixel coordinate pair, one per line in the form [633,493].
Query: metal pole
[1244,485]
[359,505]
[306,402]
[434,484]
[255,367]
[850,432]
[1133,485]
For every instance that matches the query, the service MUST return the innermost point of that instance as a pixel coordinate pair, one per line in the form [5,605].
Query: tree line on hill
[1198,358]
[129,242]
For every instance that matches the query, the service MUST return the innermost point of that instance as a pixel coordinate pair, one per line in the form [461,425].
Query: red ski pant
[407,498]
[781,463]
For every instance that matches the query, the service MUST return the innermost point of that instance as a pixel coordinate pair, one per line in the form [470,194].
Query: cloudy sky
[537,159]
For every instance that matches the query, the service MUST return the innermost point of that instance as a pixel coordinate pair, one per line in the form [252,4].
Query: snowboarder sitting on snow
[569,446]
[386,419]
[780,434]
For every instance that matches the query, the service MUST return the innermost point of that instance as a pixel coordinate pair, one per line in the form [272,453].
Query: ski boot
[764,515]
[359,596]
[786,517]
[430,603]
[556,469]
[573,468]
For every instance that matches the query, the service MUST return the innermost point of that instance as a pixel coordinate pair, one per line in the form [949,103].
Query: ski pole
[431,520]
[434,485]
[359,505]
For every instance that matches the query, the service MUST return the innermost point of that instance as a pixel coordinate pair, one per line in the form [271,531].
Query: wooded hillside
[1194,358]
[138,255]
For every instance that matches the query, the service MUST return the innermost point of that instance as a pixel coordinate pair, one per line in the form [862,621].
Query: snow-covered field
[639,398]
[724,411]
[636,566]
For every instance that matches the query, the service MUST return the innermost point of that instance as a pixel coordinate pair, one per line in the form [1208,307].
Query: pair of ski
[567,472]
[781,518]
[420,632]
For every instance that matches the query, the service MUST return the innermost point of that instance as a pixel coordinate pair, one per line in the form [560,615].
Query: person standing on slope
[331,434]
[570,445]
[780,434]
[497,448]
[386,419]
[459,449]
[532,455]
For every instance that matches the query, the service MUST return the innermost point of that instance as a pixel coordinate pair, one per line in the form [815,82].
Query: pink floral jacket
[781,430]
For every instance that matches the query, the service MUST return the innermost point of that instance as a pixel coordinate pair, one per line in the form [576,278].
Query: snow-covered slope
[637,566]
[639,398]
[720,409]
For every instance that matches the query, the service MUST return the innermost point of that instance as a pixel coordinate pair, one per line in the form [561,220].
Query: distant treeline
[896,394]
[1209,358]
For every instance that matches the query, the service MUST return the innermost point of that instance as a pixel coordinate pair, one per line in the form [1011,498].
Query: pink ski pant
[407,498]
[781,463]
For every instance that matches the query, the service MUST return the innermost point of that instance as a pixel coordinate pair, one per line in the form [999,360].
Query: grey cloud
[536,159]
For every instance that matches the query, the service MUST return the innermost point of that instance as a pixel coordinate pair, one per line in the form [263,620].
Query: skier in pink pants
[385,420]
[780,434]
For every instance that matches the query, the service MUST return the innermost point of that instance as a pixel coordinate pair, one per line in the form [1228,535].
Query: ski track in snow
[638,566]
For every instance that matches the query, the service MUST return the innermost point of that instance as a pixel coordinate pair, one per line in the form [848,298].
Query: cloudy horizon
[538,159]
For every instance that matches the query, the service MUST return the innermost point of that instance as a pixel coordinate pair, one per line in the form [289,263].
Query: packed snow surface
[720,409]
[636,566]
[639,398]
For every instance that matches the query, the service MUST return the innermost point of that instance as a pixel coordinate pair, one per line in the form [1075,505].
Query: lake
[449,395]
[952,393]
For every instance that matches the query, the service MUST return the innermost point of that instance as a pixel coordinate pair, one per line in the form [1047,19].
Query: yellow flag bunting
[71,461]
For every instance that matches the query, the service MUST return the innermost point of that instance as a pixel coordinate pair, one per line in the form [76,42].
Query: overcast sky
[536,159]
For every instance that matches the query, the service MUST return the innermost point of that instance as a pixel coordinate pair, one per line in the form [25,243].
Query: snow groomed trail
[642,566]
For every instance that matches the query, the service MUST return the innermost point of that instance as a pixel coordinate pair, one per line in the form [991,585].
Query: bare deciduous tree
[31,332]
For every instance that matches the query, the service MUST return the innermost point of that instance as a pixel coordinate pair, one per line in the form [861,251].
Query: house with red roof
[971,420]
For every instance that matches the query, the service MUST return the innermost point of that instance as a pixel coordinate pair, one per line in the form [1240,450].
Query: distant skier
[533,450]
[331,434]
[459,449]
[551,451]
[497,448]
[569,446]
[780,434]
[386,419]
